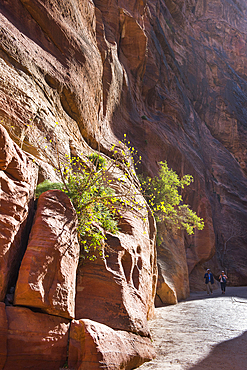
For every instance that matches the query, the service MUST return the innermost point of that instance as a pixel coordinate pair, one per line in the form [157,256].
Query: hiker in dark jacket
[209,281]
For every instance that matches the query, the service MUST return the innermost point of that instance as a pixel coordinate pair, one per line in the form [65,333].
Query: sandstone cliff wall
[185,102]
[171,75]
[45,285]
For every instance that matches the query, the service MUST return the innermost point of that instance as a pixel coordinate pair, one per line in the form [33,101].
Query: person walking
[223,279]
[209,281]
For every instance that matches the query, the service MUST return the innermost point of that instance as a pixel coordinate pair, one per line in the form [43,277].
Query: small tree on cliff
[162,195]
[100,190]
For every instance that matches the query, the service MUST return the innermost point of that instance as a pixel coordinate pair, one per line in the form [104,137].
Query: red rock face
[47,274]
[80,84]
[18,177]
[197,43]
[93,346]
[192,99]
[176,97]
[35,340]
[119,290]
[173,274]
[169,74]
[3,335]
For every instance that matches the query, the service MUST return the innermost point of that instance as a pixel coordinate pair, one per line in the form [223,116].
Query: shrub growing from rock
[91,185]
[164,198]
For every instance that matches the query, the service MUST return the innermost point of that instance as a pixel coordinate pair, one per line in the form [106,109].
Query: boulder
[18,178]
[35,340]
[47,274]
[96,346]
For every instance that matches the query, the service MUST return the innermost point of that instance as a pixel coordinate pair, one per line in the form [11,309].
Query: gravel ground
[203,332]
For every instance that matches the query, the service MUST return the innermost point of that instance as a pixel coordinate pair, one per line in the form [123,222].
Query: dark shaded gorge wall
[189,107]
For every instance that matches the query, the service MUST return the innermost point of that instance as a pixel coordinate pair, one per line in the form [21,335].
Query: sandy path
[202,333]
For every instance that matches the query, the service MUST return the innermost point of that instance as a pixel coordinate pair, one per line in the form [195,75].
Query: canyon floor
[203,332]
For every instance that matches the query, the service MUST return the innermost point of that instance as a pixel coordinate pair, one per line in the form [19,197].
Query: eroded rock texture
[59,89]
[18,178]
[96,346]
[47,276]
[172,284]
[119,289]
[188,107]
[202,115]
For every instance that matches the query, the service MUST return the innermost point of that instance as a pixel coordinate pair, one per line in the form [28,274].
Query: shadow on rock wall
[189,108]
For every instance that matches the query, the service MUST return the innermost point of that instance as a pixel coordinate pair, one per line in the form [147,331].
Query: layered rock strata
[46,286]
[46,283]
[188,107]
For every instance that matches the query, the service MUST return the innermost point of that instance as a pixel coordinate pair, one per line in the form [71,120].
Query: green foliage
[47,185]
[97,160]
[162,195]
[93,200]
[90,185]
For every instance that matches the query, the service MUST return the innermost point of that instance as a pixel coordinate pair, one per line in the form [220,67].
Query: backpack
[223,279]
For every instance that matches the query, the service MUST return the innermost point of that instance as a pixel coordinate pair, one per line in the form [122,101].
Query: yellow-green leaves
[162,195]
[101,188]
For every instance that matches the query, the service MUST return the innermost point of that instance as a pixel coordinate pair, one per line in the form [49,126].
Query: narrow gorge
[78,77]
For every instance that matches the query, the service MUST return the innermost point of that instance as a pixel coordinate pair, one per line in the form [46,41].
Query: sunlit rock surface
[119,289]
[96,346]
[18,178]
[47,276]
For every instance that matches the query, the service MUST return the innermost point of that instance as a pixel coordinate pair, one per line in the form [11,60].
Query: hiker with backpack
[222,279]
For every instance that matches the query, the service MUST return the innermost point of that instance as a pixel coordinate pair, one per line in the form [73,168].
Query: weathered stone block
[95,346]
[35,340]
[18,177]
[47,274]
[119,289]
